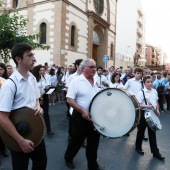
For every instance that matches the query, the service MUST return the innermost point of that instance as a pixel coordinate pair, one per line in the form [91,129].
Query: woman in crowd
[60,84]
[43,85]
[115,81]
[53,81]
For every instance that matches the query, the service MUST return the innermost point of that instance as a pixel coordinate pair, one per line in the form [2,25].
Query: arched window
[15,3]
[43,30]
[95,38]
[73,29]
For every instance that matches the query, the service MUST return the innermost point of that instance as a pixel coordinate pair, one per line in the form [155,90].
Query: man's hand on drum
[39,110]
[149,106]
[26,145]
[86,115]
[157,112]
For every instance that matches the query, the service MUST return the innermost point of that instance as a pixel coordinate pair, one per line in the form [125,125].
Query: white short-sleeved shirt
[116,85]
[133,86]
[150,95]
[71,77]
[82,91]
[99,80]
[26,93]
[42,84]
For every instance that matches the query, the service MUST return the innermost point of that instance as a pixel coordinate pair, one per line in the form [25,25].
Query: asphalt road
[117,154]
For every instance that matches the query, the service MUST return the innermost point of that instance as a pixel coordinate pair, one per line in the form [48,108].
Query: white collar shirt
[82,91]
[99,79]
[71,77]
[133,86]
[150,95]
[116,85]
[26,92]
[43,82]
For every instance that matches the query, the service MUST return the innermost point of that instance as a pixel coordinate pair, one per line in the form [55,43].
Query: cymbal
[28,125]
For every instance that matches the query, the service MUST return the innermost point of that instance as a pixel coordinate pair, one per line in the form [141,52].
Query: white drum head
[113,109]
[153,120]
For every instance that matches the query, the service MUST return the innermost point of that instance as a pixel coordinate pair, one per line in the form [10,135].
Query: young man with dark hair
[27,96]
[148,99]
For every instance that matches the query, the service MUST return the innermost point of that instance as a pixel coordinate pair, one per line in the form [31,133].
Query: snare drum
[115,110]
[152,120]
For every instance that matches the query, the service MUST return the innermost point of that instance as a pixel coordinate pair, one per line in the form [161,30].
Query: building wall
[59,16]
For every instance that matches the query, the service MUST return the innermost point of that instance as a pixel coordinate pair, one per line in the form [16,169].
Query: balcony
[139,41]
[139,32]
[140,12]
[140,21]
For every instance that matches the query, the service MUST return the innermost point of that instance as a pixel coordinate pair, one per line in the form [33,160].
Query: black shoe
[50,133]
[70,165]
[159,156]
[145,138]
[140,151]
[5,152]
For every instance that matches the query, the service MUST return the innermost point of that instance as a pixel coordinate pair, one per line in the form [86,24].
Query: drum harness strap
[15,87]
[144,97]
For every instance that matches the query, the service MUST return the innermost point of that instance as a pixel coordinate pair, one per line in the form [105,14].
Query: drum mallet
[101,127]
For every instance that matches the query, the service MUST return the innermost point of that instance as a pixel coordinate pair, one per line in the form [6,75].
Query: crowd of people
[72,86]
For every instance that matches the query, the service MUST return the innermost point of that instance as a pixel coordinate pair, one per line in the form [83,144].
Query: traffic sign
[105,58]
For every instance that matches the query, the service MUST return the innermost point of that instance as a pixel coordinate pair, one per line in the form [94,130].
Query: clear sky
[157,14]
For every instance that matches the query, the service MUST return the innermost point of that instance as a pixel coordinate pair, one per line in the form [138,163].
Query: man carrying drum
[27,96]
[148,99]
[80,92]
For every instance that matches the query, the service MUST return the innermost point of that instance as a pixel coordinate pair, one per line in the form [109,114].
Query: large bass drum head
[113,109]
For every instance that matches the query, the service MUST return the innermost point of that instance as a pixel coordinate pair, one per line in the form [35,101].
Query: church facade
[73,29]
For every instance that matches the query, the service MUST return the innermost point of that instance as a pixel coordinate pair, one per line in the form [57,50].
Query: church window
[15,3]
[99,6]
[95,38]
[43,31]
[73,29]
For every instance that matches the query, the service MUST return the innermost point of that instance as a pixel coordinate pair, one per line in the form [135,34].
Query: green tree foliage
[13,29]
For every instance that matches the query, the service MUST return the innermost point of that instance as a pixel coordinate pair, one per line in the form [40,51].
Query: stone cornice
[98,19]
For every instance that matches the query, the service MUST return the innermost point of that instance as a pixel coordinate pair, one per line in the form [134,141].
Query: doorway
[94,54]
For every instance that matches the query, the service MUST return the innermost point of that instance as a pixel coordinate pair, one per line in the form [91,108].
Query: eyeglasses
[91,67]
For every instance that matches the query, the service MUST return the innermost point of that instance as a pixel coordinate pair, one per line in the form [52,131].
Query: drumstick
[101,127]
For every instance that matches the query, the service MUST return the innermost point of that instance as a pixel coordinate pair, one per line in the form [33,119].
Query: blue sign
[106,58]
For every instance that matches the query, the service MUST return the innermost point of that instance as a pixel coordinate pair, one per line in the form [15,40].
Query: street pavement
[117,154]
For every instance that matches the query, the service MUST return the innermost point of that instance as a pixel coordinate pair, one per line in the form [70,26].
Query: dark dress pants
[38,156]
[2,145]
[160,101]
[82,129]
[167,97]
[45,107]
[140,133]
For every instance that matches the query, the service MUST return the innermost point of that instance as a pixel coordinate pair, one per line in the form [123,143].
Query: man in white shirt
[27,95]
[100,78]
[148,99]
[80,92]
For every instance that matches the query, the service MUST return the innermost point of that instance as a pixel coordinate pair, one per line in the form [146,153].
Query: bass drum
[116,111]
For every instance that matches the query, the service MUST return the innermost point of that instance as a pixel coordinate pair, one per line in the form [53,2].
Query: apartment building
[73,28]
[130,34]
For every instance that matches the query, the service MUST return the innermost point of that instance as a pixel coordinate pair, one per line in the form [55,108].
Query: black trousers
[82,129]
[160,101]
[46,116]
[140,133]
[38,156]
[167,97]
